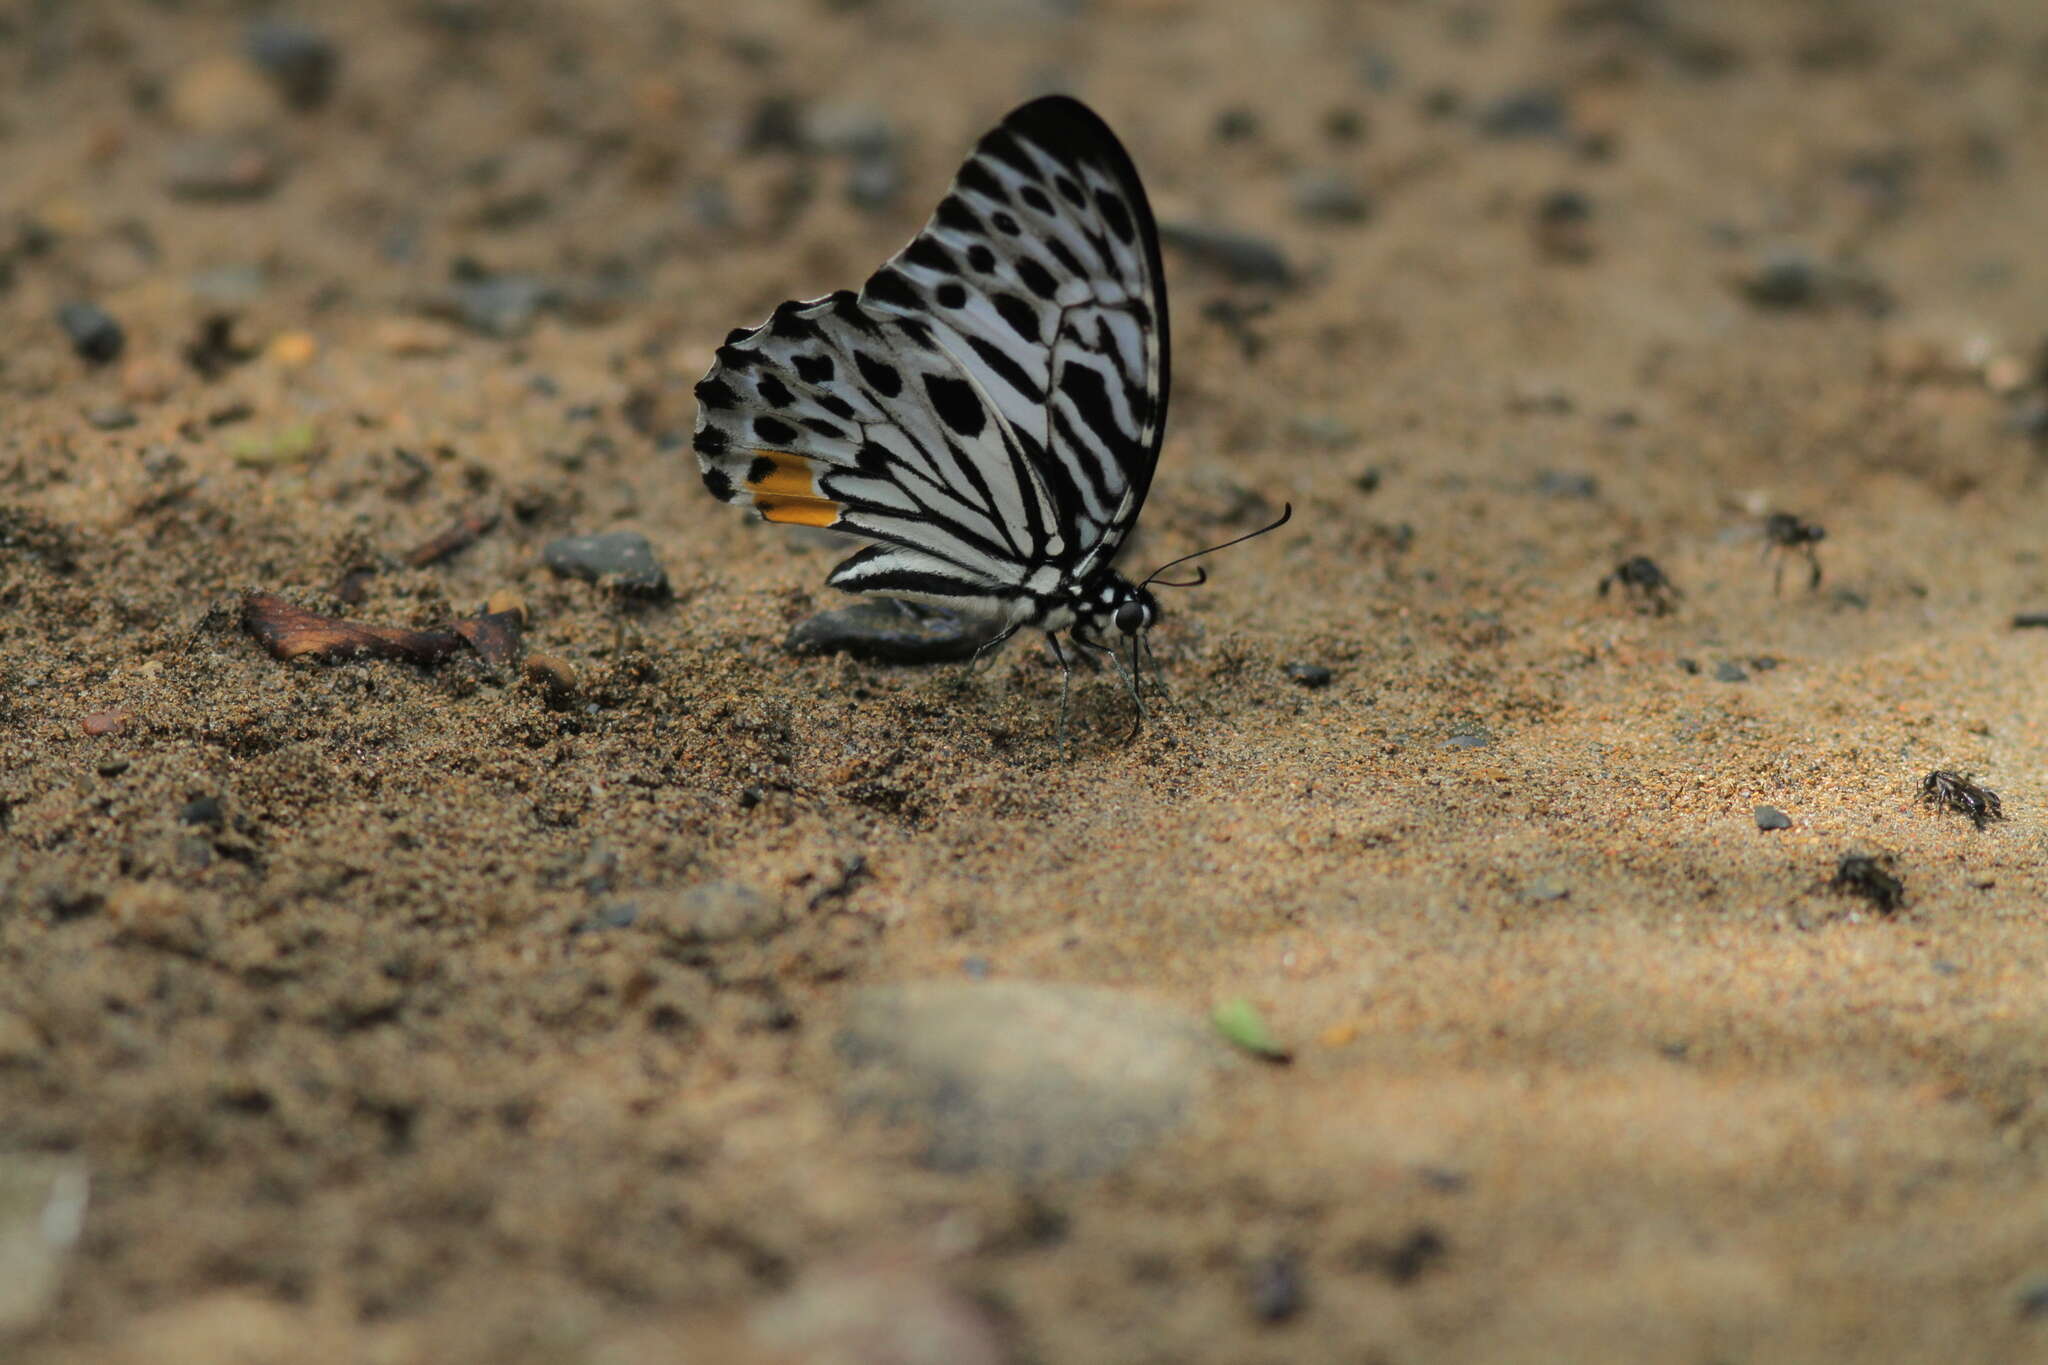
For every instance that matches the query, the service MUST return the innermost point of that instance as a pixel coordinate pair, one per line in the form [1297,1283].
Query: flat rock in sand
[1028,1077]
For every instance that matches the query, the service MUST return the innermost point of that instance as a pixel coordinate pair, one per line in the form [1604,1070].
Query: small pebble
[1235,125]
[554,677]
[617,916]
[1568,484]
[111,722]
[239,166]
[875,182]
[620,559]
[1310,676]
[716,912]
[2031,620]
[1240,256]
[1327,197]
[112,767]
[1729,671]
[500,305]
[1563,225]
[2032,1303]
[110,416]
[203,810]
[1524,113]
[1545,889]
[299,61]
[1770,817]
[1276,1288]
[1784,279]
[95,336]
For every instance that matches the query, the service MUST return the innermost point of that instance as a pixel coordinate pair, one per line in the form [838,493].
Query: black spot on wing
[789,323]
[719,482]
[871,458]
[812,369]
[846,307]
[954,401]
[834,404]
[954,215]
[1068,261]
[976,177]
[819,426]
[950,295]
[1036,277]
[880,375]
[1007,369]
[1111,207]
[1069,191]
[760,468]
[711,441]
[737,335]
[773,391]
[1021,316]
[887,286]
[981,258]
[777,432]
[737,358]
[928,254]
[1006,149]
[1006,224]
[1034,197]
[1084,388]
[716,393]
[1139,310]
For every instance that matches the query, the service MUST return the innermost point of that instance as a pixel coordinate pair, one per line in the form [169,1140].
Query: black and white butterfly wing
[989,407]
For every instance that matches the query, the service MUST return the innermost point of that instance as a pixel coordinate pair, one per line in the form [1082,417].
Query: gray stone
[889,632]
[1729,671]
[619,559]
[1026,1077]
[1770,817]
[1238,255]
[1327,197]
[95,336]
[713,912]
[42,1211]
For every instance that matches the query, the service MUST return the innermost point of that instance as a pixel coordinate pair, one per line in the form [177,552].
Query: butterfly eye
[1130,618]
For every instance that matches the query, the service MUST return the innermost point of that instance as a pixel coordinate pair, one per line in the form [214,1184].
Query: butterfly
[987,410]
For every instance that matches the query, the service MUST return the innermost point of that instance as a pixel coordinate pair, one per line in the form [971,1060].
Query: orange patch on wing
[787,493]
[791,477]
[798,511]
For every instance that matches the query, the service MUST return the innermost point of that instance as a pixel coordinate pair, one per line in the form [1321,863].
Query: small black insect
[1785,534]
[1645,584]
[1945,790]
[1870,876]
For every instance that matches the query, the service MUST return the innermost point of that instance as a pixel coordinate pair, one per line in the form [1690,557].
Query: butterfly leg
[1066,685]
[985,655]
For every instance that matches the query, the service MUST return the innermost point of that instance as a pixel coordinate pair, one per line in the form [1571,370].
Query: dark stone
[1276,1288]
[890,632]
[1770,817]
[501,305]
[1311,676]
[299,61]
[1238,255]
[1785,279]
[618,559]
[203,810]
[1524,113]
[1327,197]
[95,336]
[1729,671]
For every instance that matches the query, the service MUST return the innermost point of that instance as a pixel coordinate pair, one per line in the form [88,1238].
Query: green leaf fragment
[1241,1024]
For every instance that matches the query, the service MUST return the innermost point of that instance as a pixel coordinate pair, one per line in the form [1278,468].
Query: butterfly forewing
[989,406]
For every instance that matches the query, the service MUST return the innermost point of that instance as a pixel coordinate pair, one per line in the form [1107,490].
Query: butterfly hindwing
[989,406]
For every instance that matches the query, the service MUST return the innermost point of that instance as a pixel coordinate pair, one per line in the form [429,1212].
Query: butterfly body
[986,411]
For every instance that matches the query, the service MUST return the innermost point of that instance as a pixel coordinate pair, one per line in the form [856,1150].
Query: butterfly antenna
[1201,576]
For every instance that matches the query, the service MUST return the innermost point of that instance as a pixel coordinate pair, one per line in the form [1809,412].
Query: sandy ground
[322,974]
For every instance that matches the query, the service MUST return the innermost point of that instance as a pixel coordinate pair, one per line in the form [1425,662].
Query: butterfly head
[1112,601]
